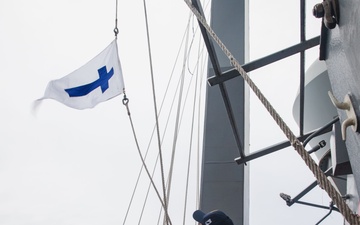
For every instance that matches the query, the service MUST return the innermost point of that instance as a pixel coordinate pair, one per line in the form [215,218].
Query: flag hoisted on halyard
[97,81]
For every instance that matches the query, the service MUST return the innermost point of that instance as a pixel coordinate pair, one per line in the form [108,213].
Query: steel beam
[216,66]
[256,64]
[277,147]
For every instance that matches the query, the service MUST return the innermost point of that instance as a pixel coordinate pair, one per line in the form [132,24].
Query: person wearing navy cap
[215,217]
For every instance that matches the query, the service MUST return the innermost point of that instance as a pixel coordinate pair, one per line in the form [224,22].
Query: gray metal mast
[224,183]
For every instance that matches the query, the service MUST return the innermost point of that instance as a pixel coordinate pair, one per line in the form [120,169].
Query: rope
[176,130]
[126,103]
[116,30]
[318,173]
[198,144]
[191,139]
[156,118]
[166,124]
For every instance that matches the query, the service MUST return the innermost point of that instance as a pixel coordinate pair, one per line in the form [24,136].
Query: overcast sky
[65,166]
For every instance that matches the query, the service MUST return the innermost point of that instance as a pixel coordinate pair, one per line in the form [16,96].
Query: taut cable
[126,103]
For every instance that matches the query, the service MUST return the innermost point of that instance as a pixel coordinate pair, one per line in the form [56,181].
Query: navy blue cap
[215,217]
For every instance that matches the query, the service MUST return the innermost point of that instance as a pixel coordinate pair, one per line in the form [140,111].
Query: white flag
[97,81]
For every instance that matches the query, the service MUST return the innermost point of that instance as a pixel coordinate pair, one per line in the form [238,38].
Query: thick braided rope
[324,183]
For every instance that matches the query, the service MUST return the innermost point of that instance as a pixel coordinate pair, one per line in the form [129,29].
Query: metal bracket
[352,119]
[329,11]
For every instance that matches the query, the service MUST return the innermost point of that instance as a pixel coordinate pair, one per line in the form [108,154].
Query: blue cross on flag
[97,81]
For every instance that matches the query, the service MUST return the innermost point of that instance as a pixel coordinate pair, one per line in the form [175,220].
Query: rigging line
[169,183]
[178,112]
[194,33]
[166,126]
[157,158]
[174,67]
[185,100]
[153,131]
[133,194]
[201,51]
[188,89]
[198,134]
[147,194]
[322,179]
[198,59]
[191,43]
[177,127]
[198,148]
[138,179]
[159,217]
[167,88]
[168,119]
[182,114]
[141,169]
[186,97]
[156,117]
[126,103]
[190,142]
[187,94]
[156,162]
[116,30]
